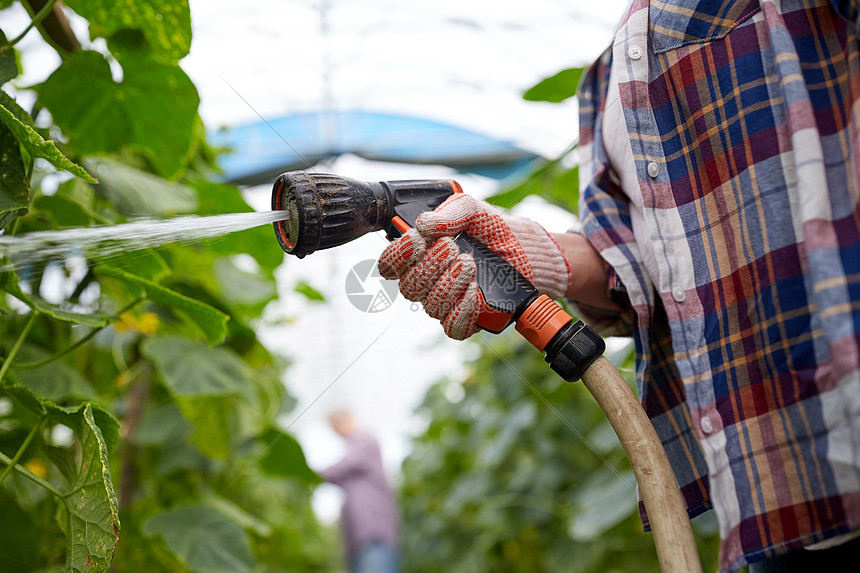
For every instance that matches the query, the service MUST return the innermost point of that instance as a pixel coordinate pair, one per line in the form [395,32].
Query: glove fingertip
[449,218]
[462,321]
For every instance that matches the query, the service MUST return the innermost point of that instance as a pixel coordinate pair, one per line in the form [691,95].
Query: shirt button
[679,294]
[653,169]
[707,425]
[635,52]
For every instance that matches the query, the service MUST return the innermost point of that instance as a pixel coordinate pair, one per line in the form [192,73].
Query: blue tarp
[262,150]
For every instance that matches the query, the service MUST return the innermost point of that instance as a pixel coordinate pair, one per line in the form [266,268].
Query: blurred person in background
[720,207]
[368,518]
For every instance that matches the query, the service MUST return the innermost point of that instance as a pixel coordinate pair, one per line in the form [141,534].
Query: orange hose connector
[541,321]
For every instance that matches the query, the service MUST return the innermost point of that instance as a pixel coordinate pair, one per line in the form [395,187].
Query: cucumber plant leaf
[14,184]
[551,182]
[204,382]
[93,320]
[88,513]
[304,288]
[209,321]
[91,516]
[556,88]
[8,60]
[284,457]
[166,24]
[194,369]
[136,193]
[36,146]
[211,419]
[55,380]
[62,212]
[100,115]
[217,199]
[603,501]
[203,538]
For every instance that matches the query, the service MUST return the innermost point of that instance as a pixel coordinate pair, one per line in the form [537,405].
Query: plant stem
[85,282]
[12,230]
[31,476]
[18,344]
[30,165]
[13,463]
[75,346]
[38,17]
[55,28]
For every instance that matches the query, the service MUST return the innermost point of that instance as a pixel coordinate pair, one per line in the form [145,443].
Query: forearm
[587,282]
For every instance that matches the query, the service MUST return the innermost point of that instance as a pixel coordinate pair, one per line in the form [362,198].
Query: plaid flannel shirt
[742,116]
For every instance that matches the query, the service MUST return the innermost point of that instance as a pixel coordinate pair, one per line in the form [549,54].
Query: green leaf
[36,146]
[74,418]
[284,457]
[9,282]
[209,321]
[181,456]
[64,460]
[603,502]
[552,183]
[312,294]
[20,542]
[20,114]
[136,193]
[83,194]
[147,264]
[14,185]
[211,423]
[25,397]
[93,320]
[240,516]
[205,383]
[8,60]
[153,109]
[203,538]
[556,88]
[192,369]
[54,381]
[217,199]
[166,24]
[92,525]
[159,424]
[88,515]
[241,286]
[62,212]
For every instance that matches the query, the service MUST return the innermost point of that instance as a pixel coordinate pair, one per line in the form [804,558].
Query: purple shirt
[369,513]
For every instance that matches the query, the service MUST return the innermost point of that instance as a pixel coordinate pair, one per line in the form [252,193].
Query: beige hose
[667,512]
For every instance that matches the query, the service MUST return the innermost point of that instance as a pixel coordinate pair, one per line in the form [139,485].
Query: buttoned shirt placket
[674,278]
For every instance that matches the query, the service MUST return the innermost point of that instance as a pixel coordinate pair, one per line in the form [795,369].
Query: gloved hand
[432,270]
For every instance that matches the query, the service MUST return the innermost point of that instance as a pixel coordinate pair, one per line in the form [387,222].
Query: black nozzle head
[326,210]
[295,192]
[330,210]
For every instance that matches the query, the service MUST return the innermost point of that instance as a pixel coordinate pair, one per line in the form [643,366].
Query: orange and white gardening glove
[432,270]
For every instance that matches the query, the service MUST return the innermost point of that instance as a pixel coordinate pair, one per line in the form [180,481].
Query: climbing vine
[135,397]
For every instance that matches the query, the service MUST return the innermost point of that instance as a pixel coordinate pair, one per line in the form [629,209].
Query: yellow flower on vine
[37,466]
[146,323]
